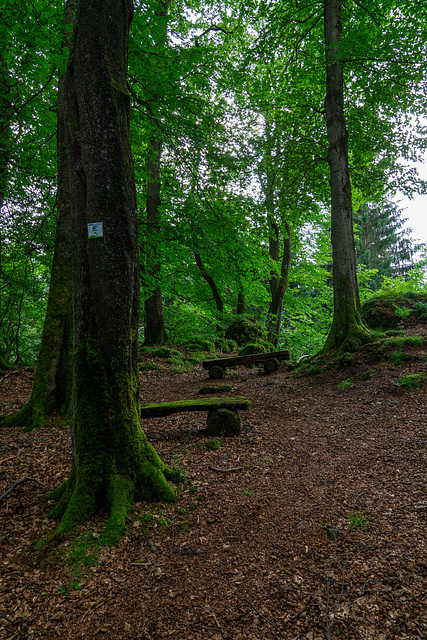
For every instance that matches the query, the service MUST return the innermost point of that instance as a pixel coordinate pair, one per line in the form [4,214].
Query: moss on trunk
[348,330]
[52,380]
[113,463]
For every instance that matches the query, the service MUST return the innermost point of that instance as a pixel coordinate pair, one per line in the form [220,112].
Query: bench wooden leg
[216,373]
[271,365]
[223,422]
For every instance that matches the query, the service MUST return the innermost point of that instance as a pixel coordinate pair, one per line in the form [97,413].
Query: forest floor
[311,524]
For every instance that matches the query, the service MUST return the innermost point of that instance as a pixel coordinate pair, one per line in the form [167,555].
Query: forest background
[230,147]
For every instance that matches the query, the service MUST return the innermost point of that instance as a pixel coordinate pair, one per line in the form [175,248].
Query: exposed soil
[311,524]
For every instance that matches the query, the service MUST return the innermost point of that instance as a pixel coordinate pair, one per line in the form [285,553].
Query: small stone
[188,551]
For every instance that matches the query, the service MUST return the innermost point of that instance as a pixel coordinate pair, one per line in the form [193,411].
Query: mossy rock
[243,330]
[161,352]
[222,388]
[223,422]
[148,366]
[199,345]
[226,346]
[389,312]
[255,347]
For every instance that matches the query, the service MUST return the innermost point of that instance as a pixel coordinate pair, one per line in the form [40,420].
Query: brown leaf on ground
[312,458]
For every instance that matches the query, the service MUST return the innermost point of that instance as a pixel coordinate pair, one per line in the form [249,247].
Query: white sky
[416,210]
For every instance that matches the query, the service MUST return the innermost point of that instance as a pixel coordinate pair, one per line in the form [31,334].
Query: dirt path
[320,533]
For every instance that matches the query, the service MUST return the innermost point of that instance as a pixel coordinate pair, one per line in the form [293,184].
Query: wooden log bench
[271,361]
[223,413]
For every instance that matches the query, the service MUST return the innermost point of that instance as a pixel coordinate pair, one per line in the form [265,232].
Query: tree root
[83,494]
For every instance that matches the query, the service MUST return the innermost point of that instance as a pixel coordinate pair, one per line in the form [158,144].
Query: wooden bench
[271,362]
[223,417]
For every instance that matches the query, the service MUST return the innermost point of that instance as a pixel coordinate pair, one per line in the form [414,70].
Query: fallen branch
[14,372]
[7,459]
[16,484]
[230,470]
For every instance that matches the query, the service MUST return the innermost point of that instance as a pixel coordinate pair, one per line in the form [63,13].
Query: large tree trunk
[347,326]
[4,159]
[53,376]
[113,463]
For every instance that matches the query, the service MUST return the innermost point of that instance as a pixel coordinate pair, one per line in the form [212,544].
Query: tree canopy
[233,94]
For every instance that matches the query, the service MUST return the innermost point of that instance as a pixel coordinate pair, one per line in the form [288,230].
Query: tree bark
[4,158]
[278,289]
[241,305]
[278,279]
[347,326]
[113,463]
[155,332]
[53,376]
[214,289]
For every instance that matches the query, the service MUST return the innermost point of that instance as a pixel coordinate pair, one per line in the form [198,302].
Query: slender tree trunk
[53,376]
[241,306]
[155,332]
[347,326]
[113,463]
[214,289]
[279,288]
[279,275]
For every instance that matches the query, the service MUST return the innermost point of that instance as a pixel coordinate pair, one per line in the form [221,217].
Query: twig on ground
[16,484]
[7,459]
[230,470]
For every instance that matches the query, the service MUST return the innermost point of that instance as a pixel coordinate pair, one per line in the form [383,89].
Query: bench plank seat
[209,404]
[249,359]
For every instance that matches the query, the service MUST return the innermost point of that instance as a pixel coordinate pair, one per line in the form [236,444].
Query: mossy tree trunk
[53,376]
[348,328]
[113,463]
[4,160]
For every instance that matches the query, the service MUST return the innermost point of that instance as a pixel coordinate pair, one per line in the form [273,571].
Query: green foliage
[413,282]
[149,366]
[199,94]
[360,520]
[162,352]
[397,357]
[403,342]
[244,330]
[388,311]
[421,309]
[402,312]
[346,384]
[212,444]
[410,382]
[382,243]
[253,348]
